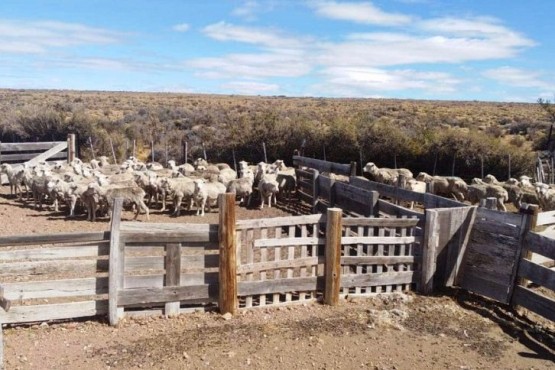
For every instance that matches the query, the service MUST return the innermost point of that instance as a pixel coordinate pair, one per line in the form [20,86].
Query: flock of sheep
[96,184]
[513,190]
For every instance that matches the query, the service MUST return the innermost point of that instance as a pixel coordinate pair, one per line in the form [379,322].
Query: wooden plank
[387,190]
[37,268]
[379,240]
[56,288]
[116,271]
[22,147]
[537,303]
[546,218]
[55,253]
[162,295]
[5,303]
[228,302]
[303,173]
[282,242]
[41,239]
[376,260]
[391,209]
[538,274]
[499,216]
[495,227]
[189,262]
[322,166]
[151,227]
[540,244]
[172,266]
[49,153]
[429,252]
[304,197]
[386,278]
[461,222]
[280,221]
[480,284]
[23,157]
[332,264]
[178,237]
[282,286]
[60,311]
[280,264]
[381,222]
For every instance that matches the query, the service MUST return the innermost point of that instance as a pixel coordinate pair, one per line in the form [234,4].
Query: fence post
[315,190]
[489,203]
[429,251]
[116,263]
[70,148]
[172,265]
[353,171]
[332,264]
[227,234]
[531,212]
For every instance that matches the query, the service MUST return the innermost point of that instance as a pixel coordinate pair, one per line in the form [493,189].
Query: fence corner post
[429,251]
[315,190]
[70,148]
[332,264]
[228,301]
[116,263]
[353,169]
[531,213]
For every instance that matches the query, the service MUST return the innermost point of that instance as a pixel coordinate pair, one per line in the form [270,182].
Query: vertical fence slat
[172,262]
[277,257]
[429,249]
[333,256]
[263,258]
[115,278]
[290,256]
[228,252]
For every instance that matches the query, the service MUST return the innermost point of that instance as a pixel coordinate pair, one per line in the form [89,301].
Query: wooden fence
[488,252]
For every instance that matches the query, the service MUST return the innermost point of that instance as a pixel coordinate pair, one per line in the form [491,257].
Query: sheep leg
[163,194]
[177,203]
[501,205]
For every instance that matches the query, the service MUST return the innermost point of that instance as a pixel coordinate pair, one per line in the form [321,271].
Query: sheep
[242,188]
[477,192]
[11,174]
[103,161]
[200,164]
[518,194]
[447,186]
[416,186]
[131,194]
[205,192]
[268,187]
[186,168]
[525,182]
[226,176]
[287,181]
[179,189]
[387,176]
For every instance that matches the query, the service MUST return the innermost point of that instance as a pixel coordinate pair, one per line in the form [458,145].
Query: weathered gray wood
[162,295]
[5,303]
[535,302]
[429,252]
[380,222]
[176,237]
[538,274]
[322,166]
[41,239]
[116,272]
[280,221]
[1,347]
[37,268]
[540,244]
[21,147]
[172,266]
[303,173]
[461,221]
[398,193]
[546,218]
[332,264]
[188,262]
[56,288]
[315,190]
[23,157]
[48,154]
[376,260]
[55,253]
[495,227]
[228,302]
[59,311]
[71,148]
[499,216]
[388,278]
[489,203]
[280,264]
[283,285]
[379,240]
[485,286]
[283,242]
[391,209]
[355,199]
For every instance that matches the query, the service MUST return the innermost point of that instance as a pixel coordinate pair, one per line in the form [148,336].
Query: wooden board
[322,166]
[535,302]
[23,157]
[537,274]
[56,288]
[388,278]
[166,294]
[540,244]
[283,285]
[41,239]
[37,313]
[48,154]
[21,147]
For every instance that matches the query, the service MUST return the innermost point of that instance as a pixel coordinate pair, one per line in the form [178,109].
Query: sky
[486,50]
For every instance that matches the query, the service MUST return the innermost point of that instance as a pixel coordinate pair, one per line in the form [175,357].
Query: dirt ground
[451,330]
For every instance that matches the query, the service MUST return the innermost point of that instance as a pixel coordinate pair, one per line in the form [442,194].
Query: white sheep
[477,192]
[268,187]
[389,176]
[205,193]
[130,194]
[242,188]
[181,188]
[446,186]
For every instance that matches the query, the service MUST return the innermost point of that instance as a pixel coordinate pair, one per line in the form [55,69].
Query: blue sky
[418,49]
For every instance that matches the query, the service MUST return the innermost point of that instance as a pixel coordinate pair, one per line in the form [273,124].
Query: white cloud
[250,87]
[364,79]
[517,77]
[248,10]
[182,27]
[252,65]
[364,12]
[223,31]
[40,36]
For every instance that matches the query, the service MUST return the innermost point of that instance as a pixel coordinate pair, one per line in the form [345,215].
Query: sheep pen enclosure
[381,247]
